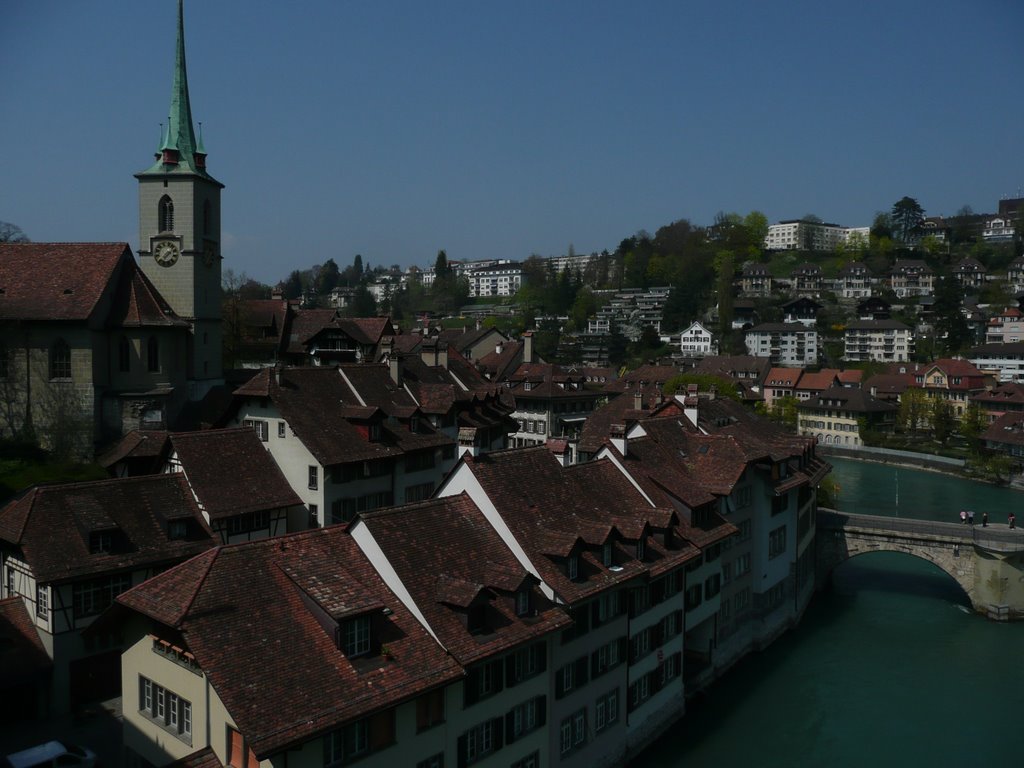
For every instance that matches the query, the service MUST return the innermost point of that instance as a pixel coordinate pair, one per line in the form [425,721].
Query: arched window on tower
[166,210]
[153,354]
[124,355]
[206,218]
[60,360]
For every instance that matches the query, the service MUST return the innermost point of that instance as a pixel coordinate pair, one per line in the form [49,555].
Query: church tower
[179,230]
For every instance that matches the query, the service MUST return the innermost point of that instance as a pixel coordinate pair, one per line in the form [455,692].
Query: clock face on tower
[165,253]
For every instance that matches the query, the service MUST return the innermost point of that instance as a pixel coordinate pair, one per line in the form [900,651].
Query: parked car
[52,754]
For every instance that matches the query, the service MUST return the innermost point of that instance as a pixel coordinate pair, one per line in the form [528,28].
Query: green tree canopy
[907,218]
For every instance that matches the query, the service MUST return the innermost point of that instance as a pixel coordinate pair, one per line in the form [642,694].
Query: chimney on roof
[497,348]
[395,368]
[528,347]
[277,294]
[638,397]
[619,439]
[277,374]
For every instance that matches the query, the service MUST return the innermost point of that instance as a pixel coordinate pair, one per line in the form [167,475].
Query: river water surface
[888,668]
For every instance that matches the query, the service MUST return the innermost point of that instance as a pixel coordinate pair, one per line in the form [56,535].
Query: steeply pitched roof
[76,281]
[441,580]
[618,410]
[1008,429]
[52,526]
[287,582]
[850,399]
[231,472]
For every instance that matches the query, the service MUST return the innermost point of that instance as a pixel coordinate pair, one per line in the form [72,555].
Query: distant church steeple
[179,229]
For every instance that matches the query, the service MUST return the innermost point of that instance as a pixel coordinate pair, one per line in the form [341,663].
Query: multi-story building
[780,383]
[501,279]
[1004,361]
[784,344]
[854,281]
[347,439]
[697,341]
[68,550]
[1015,275]
[798,235]
[803,310]
[954,381]
[551,401]
[756,280]
[912,277]
[1003,398]
[970,273]
[1007,327]
[368,681]
[998,229]
[836,416]
[630,311]
[879,340]
[806,279]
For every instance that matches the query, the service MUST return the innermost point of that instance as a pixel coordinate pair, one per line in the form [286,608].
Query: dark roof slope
[435,575]
[231,472]
[307,685]
[23,659]
[52,525]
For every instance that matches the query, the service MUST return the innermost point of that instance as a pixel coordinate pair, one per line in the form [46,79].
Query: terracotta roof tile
[231,472]
[52,525]
[237,635]
[440,582]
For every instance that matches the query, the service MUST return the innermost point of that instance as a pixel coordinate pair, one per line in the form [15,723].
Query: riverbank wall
[893,456]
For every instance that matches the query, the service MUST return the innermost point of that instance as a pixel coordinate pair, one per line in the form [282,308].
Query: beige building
[879,340]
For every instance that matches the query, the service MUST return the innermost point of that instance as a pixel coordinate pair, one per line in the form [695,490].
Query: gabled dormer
[470,600]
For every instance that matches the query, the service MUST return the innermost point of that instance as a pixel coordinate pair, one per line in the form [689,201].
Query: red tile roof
[247,614]
[619,410]
[146,445]
[231,473]
[438,577]
[52,525]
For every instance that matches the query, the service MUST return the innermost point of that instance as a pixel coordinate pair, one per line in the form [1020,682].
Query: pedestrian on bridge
[970,517]
[963,516]
[984,519]
[1012,519]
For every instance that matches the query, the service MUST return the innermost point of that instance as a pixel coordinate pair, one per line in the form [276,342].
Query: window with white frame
[777,542]
[606,710]
[42,601]
[356,636]
[259,426]
[166,708]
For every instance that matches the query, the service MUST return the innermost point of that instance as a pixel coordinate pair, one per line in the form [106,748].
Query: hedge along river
[888,668]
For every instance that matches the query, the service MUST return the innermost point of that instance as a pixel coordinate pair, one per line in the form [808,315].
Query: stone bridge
[988,563]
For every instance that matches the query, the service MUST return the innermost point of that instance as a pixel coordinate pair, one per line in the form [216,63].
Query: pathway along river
[888,668]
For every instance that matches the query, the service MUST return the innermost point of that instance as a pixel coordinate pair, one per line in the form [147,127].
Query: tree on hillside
[11,233]
[951,329]
[292,287]
[943,420]
[756,224]
[913,409]
[327,278]
[907,218]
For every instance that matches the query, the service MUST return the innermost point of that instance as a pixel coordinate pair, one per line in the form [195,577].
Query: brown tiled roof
[758,437]
[439,578]
[888,384]
[783,377]
[647,374]
[231,472]
[619,410]
[246,612]
[204,758]
[730,365]
[818,380]
[1008,429]
[550,509]
[856,400]
[1000,395]
[548,381]
[23,659]
[144,444]
[497,366]
[56,281]
[74,281]
[311,400]
[52,524]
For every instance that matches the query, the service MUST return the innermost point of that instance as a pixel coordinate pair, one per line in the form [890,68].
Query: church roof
[84,282]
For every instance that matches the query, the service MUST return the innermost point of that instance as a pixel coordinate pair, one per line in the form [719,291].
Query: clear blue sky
[501,129]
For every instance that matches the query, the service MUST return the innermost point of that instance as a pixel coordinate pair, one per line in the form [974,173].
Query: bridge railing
[1000,539]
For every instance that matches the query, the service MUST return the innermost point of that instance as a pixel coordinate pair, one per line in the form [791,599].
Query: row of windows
[167,709]
[124,355]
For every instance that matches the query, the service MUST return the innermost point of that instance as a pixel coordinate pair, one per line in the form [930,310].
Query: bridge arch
[987,563]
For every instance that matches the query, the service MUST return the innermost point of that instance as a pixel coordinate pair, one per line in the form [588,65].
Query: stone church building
[94,344]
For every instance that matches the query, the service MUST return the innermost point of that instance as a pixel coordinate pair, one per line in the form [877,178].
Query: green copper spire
[179,151]
[180,121]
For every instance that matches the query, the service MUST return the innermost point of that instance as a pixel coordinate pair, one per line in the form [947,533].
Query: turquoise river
[887,668]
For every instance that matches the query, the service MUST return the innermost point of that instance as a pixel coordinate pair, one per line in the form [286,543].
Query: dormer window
[527,386]
[606,554]
[641,547]
[475,618]
[572,567]
[375,433]
[177,530]
[523,602]
[414,424]
[356,636]
[100,542]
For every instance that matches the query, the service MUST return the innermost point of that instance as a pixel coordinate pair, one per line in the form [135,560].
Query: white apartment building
[881,340]
[797,235]
[499,279]
[1005,328]
[854,281]
[785,344]
[1004,360]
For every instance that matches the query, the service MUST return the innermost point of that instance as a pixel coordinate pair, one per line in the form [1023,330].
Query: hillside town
[484,512]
